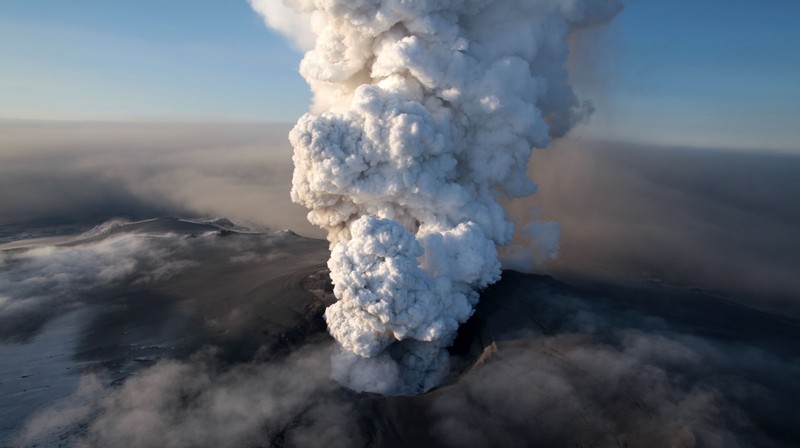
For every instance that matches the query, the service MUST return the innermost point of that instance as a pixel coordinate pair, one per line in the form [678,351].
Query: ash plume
[424,117]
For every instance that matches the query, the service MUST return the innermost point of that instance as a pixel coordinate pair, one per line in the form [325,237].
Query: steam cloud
[424,117]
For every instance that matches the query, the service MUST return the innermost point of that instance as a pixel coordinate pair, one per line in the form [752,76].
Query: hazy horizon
[684,216]
[727,82]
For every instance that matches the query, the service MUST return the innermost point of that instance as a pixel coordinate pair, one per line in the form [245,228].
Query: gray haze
[714,219]
[55,173]
[727,221]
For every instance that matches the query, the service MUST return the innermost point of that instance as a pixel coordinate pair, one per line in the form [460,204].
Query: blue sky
[704,73]
[115,59]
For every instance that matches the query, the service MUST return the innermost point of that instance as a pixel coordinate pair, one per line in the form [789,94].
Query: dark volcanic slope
[127,296]
[546,364]
[192,335]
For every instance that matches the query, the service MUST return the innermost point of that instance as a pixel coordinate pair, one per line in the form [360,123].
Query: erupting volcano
[424,117]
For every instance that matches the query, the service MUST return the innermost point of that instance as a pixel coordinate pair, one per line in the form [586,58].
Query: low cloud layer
[198,403]
[85,173]
[42,283]
[603,372]
[567,369]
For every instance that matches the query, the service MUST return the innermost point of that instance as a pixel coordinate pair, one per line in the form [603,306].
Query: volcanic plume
[424,117]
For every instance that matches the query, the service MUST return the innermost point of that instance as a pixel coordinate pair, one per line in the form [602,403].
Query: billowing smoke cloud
[424,117]
[294,25]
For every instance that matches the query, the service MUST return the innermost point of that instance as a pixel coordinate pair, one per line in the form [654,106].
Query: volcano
[233,336]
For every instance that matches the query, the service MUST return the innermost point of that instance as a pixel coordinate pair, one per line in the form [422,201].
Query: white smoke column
[424,117]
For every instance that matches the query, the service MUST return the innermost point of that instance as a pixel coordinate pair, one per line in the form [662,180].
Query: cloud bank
[198,402]
[81,174]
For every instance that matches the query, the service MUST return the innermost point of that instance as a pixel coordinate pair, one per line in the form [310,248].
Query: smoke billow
[425,114]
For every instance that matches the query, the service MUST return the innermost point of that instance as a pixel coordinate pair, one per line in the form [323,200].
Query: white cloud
[293,25]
